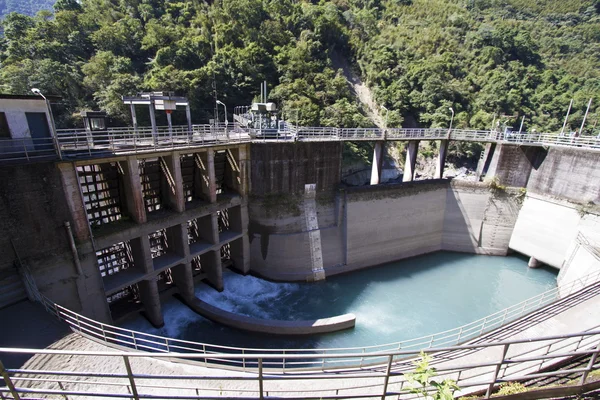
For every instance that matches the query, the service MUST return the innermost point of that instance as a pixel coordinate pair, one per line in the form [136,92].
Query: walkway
[472,365]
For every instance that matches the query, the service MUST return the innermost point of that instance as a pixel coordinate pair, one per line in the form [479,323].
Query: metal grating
[226,252]
[158,243]
[129,294]
[150,177]
[197,266]
[165,280]
[101,195]
[114,259]
[187,175]
[220,167]
[223,220]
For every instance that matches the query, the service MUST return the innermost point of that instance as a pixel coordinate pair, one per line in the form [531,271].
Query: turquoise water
[396,301]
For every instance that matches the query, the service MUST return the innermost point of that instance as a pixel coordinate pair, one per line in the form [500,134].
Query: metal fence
[132,375]
[77,143]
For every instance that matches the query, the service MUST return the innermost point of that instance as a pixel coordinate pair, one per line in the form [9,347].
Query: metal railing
[473,367]
[73,143]
[125,338]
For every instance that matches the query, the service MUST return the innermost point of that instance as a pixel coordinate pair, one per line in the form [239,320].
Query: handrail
[520,360]
[122,337]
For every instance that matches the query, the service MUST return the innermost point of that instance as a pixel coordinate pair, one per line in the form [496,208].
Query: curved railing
[121,337]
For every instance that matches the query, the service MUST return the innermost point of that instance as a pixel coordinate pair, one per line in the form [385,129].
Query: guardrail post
[593,359]
[131,379]
[9,383]
[387,376]
[260,379]
[496,371]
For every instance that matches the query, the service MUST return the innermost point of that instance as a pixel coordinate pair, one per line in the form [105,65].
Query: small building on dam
[111,223]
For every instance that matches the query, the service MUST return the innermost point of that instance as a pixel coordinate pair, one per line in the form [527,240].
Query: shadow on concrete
[27,325]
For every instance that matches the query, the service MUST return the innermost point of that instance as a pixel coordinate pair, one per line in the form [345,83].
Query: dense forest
[487,59]
[27,7]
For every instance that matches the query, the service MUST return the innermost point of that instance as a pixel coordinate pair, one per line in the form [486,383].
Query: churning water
[394,302]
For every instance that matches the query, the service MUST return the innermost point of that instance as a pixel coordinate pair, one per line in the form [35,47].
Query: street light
[451,118]
[226,121]
[38,92]
[386,117]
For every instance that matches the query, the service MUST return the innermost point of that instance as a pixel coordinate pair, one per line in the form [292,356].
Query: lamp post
[226,121]
[451,120]
[53,126]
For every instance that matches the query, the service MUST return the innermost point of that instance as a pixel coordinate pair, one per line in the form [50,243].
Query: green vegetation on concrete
[421,379]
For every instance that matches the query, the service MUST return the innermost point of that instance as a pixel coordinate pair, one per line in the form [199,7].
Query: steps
[11,288]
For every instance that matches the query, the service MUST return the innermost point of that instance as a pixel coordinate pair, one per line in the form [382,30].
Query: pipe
[585,117]
[562,131]
[73,248]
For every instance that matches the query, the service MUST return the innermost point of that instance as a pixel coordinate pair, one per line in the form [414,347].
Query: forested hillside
[482,57]
[27,7]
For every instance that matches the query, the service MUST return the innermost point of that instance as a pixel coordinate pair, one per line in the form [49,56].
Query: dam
[113,226]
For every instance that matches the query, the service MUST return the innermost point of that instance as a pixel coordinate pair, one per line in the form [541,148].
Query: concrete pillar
[411,160]
[174,183]
[214,225]
[70,184]
[90,289]
[240,248]
[142,256]
[211,265]
[485,160]
[133,116]
[177,237]
[534,263]
[188,115]
[153,120]
[205,184]
[236,176]
[377,167]
[184,279]
[512,164]
[441,160]
[151,301]
[132,186]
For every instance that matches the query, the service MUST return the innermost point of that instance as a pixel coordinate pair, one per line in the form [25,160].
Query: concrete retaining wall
[546,227]
[367,226]
[278,327]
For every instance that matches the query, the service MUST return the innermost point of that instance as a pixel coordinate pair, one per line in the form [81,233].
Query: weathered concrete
[484,162]
[441,159]
[211,265]
[173,183]
[569,174]
[512,164]
[284,168]
[204,176]
[70,184]
[377,164]
[412,149]
[544,229]
[133,190]
[277,327]
[151,301]
[184,279]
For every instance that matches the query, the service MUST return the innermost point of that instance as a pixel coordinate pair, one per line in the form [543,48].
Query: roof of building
[28,97]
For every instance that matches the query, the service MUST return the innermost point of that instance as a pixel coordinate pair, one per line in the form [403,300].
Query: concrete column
[174,183]
[236,176]
[240,248]
[534,263]
[411,160]
[90,289]
[70,184]
[377,167]
[177,237]
[153,120]
[211,265]
[184,279]
[142,256]
[441,160]
[188,115]
[151,301]
[484,162]
[132,185]
[214,226]
[133,116]
[205,184]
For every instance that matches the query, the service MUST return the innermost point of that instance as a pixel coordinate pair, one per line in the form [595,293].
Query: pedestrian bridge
[77,143]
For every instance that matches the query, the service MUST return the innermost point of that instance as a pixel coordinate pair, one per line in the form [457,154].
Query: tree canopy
[487,59]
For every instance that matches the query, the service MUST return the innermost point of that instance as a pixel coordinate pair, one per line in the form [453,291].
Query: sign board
[165,104]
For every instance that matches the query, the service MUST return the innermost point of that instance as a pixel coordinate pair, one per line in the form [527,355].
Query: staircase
[11,288]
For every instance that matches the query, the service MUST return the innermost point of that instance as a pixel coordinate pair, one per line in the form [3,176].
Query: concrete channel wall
[363,227]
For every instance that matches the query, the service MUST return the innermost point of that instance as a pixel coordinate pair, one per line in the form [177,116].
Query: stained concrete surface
[27,325]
